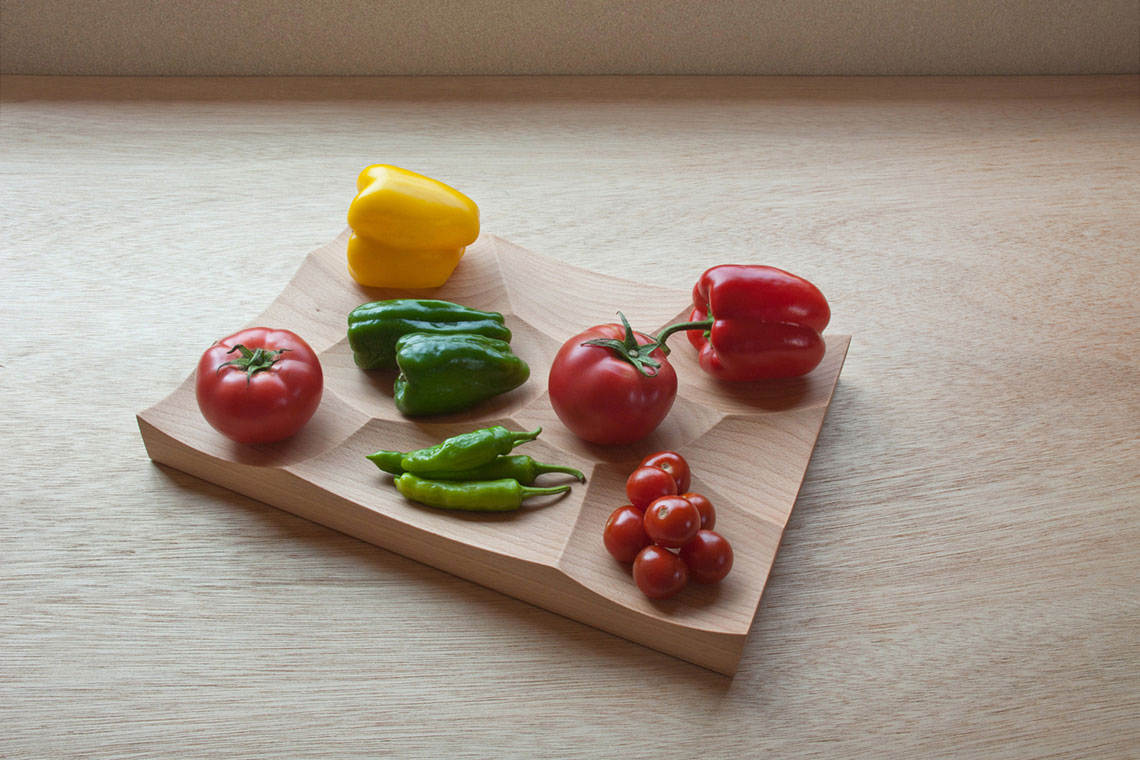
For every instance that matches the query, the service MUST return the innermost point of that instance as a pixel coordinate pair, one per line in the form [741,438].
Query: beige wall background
[408,37]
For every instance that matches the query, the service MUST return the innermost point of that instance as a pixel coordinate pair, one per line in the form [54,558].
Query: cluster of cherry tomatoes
[666,531]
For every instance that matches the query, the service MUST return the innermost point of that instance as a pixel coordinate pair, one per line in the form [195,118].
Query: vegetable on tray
[518,467]
[374,328]
[409,231]
[465,451]
[670,541]
[659,573]
[441,374]
[259,385]
[753,322]
[708,557]
[471,471]
[647,483]
[624,533]
[672,521]
[704,507]
[610,385]
[504,495]
[672,463]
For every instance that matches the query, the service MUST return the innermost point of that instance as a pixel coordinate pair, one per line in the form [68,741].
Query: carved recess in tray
[749,446]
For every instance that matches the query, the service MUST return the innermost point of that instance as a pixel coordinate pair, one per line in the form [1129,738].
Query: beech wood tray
[748,446]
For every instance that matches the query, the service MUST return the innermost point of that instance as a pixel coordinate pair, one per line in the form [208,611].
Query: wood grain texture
[958,577]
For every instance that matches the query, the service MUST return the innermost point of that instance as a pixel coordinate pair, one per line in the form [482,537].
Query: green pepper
[519,467]
[374,328]
[505,495]
[388,461]
[463,452]
[440,374]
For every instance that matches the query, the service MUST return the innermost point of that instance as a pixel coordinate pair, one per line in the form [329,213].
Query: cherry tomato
[659,573]
[624,535]
[259,385]
[603,398]
[708,557]
[672,463]
[672,521]
[704,506]
[648,483]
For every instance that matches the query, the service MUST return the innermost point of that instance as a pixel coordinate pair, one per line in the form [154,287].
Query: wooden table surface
[959,576]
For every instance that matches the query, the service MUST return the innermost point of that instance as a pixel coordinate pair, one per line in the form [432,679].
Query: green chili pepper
[388,461]
[374,328]
[441,374]
[505,495]
[519,467]
[462,452]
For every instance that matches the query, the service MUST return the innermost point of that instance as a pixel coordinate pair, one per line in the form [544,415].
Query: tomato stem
[630,350]
[252,362]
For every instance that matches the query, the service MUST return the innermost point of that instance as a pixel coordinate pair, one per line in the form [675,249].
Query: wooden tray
[748,446]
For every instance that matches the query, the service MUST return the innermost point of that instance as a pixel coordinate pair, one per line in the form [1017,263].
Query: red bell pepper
[755,323]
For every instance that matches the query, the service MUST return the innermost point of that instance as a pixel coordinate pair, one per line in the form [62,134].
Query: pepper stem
[542,469]
[704,324]
[252,362]
[517,438]
[529,491]
[640,356]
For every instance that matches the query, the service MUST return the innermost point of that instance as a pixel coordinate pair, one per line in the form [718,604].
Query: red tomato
[659,573]
[672,521]
[704,506]
[603,398]
[708,557]
[259,385]
[648,483]
[624,535]
[672,463]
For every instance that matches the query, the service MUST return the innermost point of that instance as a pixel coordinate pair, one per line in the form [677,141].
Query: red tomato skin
[602,398]
[624,534]
[672,521]
[645,484]
[659,573]
[268,406]
[672,463]
[705,507]
[708,557]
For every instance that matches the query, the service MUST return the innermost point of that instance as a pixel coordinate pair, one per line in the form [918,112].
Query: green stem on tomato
[640,356]
[252,362]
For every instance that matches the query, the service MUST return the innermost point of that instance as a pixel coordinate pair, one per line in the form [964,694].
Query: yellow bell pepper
[409,231]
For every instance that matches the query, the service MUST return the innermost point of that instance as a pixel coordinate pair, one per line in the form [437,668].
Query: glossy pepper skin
[518,467]
[374,328]
[755,323]
[409,231]
[462,452]
[504,495]
[441,374]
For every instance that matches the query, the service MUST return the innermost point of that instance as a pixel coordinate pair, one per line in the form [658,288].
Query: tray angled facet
[748,446]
